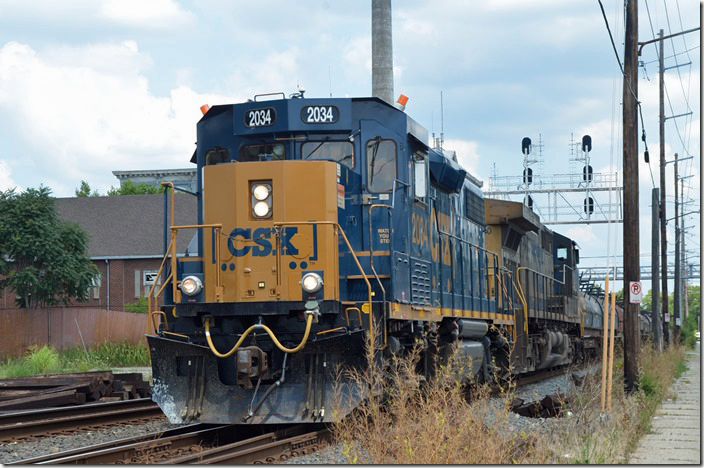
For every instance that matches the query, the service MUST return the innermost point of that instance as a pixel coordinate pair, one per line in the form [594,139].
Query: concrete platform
[676,427]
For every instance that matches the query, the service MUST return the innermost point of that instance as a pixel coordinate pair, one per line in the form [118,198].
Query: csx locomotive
[329,227]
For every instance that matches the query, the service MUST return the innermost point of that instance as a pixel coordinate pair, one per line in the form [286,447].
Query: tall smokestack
[382,51]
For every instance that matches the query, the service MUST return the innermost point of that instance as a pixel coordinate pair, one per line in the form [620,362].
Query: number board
[260,117]
[320,114]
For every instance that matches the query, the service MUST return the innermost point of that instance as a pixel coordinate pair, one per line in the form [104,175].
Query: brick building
[126,243]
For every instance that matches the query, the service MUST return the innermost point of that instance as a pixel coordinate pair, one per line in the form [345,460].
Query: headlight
[261,198]
[261,209]
[311,282]
[260,192]
[191,285]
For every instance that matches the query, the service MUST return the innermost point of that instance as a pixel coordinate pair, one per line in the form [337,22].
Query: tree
[691,323]
[85,191]
[43,258]
[130,188]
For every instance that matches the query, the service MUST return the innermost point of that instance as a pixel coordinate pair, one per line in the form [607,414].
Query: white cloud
[358,51]
[467,154]
[6,181]
[583,235]
[151,14]
[84,115]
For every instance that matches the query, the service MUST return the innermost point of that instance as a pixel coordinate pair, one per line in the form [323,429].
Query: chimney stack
[382,51]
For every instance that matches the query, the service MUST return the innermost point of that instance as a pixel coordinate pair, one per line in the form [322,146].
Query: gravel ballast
[20,450]
[29,448]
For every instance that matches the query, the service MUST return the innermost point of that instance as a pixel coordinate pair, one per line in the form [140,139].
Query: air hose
[309,322]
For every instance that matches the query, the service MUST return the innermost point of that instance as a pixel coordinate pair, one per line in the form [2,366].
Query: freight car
[328,229]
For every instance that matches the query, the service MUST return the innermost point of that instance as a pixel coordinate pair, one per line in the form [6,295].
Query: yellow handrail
[522,297]
[157,312]
[309,322]
[337,227]
[152,298]
[151,291]
[347,315]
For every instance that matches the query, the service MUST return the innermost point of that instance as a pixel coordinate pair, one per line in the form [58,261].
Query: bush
[46,360]
[139,306]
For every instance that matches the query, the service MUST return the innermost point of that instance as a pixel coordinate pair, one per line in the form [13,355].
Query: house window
[95,286]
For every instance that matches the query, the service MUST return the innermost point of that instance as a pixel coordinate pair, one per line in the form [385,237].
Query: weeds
[592,438]
[407,420]
[46,360]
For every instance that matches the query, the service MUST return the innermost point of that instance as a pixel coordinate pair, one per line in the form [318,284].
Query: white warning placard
[636,292]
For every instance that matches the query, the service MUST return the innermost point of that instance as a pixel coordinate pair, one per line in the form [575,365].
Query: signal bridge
[576,198]
[598,273]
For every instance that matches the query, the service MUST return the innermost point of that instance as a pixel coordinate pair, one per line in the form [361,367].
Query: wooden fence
[64,328]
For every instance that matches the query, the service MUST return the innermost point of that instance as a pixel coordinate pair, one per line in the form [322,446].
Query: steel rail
[92,453]
[36,422]
[210,445]
[271,448]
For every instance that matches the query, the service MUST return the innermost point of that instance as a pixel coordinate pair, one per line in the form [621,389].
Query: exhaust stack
[382,51]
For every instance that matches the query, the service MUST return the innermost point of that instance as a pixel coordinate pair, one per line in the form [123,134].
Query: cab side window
[381,165]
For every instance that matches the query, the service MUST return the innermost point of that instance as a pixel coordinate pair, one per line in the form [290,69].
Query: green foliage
[130,188]
[85,191]
[647,384]
[46,360]
[42,258]
[139,306]
[37,361]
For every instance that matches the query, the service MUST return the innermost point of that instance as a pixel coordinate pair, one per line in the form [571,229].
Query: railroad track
[198,444]
[44,422]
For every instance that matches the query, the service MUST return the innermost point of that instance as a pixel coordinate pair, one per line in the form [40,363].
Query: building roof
[127,225]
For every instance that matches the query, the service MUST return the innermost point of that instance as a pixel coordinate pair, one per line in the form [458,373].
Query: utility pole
[655,313]
[684,299]
[663,218]
[677,298]
[631,230]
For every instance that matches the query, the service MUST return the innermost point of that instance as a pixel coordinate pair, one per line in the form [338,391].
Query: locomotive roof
[501,211]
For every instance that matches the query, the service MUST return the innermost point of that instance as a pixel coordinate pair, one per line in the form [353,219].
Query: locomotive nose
[271,243]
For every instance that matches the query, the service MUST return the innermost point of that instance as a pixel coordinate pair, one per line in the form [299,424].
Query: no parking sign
[636,292]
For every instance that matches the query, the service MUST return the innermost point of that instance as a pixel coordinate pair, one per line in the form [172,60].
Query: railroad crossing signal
[636,292]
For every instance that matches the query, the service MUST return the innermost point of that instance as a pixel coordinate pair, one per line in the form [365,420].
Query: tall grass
[589,437]
[46,360]
[407,420]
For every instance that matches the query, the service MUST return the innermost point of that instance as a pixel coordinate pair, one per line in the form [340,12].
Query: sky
[92,86]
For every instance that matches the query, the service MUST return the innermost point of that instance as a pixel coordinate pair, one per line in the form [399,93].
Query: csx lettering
[240,241]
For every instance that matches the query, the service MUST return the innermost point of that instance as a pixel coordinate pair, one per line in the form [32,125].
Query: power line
[670,56]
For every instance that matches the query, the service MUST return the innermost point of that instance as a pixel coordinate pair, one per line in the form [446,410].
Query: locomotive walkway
[676,427]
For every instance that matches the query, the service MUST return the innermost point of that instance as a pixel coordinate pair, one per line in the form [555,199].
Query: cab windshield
[270,152]
[340,151]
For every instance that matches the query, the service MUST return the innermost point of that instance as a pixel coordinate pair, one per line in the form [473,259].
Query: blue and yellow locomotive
[329,225]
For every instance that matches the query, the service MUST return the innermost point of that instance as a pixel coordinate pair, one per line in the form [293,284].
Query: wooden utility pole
[663,218]
[655,313]
[631,231]
[677,298]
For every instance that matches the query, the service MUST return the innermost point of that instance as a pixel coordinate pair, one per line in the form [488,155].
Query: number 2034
[260,117]
[320,114]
